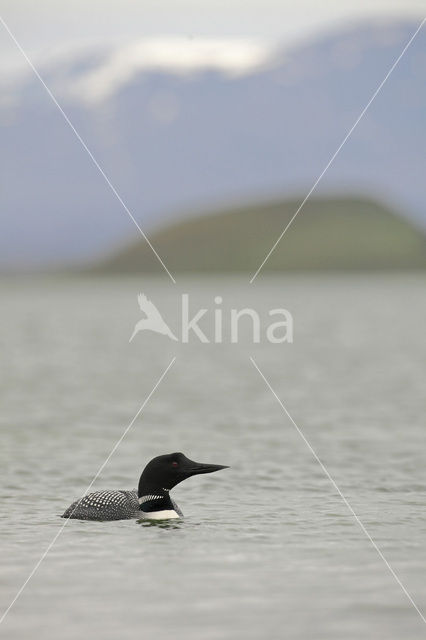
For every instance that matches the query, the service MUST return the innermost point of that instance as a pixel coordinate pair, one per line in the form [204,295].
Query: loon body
[151,500]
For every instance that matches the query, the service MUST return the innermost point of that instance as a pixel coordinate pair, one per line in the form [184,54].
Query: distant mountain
[173,142]
[331,234]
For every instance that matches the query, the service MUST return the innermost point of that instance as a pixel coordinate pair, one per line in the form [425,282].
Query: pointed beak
[195,468]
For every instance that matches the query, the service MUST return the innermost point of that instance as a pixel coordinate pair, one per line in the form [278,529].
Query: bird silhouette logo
[153,320]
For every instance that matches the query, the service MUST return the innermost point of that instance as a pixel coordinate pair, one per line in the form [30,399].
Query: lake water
[267,548]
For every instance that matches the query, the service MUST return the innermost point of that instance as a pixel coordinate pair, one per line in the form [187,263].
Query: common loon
[151,500]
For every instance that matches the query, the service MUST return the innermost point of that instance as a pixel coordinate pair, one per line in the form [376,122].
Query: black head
[165,472]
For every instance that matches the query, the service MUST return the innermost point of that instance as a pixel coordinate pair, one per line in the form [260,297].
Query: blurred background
[213,120]
[191,112]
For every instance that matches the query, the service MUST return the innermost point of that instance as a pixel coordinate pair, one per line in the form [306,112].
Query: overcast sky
[43,25]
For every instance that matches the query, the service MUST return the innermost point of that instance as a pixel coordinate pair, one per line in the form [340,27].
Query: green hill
[328,234]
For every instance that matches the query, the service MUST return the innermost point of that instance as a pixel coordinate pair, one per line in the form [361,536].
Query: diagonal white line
[339,148]
[333,482]
[99,471]
[86,148]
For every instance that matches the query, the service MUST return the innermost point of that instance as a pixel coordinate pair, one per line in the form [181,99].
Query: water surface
[267,548]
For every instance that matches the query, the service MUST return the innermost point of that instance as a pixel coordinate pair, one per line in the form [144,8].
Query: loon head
[165,472]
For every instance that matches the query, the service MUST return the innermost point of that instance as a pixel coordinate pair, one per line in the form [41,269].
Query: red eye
[174,464]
